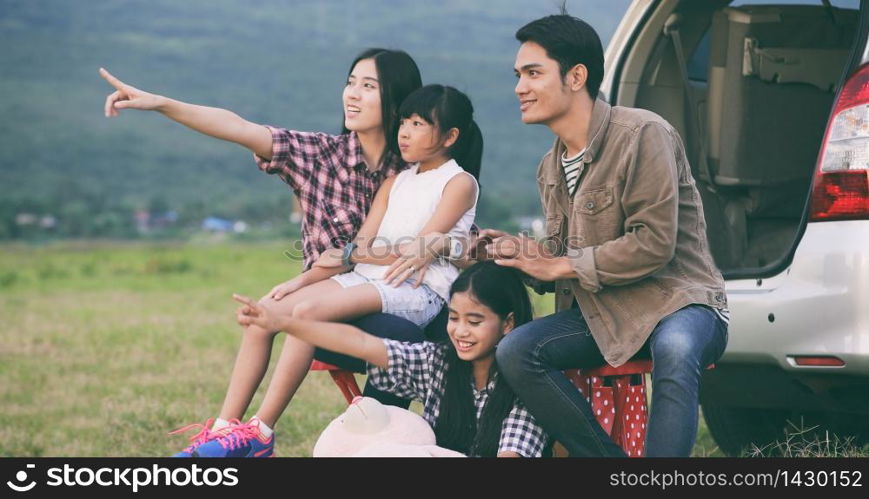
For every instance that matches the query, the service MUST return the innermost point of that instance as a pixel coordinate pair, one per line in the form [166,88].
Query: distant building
[147,221]
[48,222]
[45,222]
[23,219]
[143,219]
[215,224]
[163,220]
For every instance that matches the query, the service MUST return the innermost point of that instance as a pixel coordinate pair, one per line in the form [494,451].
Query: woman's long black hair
[446,108]
[398,76]
[501,289]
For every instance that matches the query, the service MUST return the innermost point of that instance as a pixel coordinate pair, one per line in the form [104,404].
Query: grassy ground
[106,347]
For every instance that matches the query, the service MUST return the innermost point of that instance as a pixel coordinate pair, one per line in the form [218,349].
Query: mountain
[271,61]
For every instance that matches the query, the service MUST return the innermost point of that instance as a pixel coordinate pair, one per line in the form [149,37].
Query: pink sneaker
[244,440]
[205,435]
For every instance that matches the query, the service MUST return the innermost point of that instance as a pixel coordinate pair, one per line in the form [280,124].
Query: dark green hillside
[277,62]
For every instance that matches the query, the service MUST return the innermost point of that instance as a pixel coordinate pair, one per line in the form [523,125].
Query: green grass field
[106,347]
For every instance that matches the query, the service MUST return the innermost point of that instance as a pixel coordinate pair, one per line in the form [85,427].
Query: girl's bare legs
[256,348]
[329,305]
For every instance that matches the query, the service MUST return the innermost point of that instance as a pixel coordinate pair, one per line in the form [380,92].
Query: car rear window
[698,62]
[842,4]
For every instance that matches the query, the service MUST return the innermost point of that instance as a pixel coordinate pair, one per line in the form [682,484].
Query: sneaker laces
[205,433]
[240,435]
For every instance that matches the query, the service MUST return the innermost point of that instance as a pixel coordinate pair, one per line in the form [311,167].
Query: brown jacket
[634,230]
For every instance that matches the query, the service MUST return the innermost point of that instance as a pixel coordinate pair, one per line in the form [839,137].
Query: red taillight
[840,196]
[807,361]
[841,186]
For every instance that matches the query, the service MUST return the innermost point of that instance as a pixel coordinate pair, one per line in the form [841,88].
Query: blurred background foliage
[68,172]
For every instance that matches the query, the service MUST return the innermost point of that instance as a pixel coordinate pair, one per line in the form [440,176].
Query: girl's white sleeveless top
[412,201]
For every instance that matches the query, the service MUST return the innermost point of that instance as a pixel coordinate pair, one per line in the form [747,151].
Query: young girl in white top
[400,255]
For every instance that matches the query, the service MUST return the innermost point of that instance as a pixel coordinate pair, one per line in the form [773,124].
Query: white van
[772,101]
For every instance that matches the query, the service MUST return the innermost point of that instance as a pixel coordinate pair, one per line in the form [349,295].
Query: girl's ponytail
[468,149]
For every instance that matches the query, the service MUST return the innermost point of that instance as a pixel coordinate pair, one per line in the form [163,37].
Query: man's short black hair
[570,41]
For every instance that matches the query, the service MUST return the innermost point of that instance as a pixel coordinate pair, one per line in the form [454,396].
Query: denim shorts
[418,305]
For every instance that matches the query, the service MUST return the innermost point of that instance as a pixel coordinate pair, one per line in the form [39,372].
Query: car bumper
[819,306]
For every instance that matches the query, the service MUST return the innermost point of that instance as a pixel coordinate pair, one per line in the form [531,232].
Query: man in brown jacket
[626,249]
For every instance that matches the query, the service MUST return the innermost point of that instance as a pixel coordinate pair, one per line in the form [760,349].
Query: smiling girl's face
[362,105]
[474,328]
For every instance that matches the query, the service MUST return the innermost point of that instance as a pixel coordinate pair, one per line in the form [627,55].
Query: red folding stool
[618,400]
[345,380]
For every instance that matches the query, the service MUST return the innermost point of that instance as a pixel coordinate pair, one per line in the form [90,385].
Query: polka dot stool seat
[345,380]
[618,400]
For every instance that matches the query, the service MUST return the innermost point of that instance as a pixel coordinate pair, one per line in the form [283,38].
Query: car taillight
[841,185]
[820,361]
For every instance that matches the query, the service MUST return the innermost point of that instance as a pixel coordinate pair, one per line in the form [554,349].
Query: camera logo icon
[20,477]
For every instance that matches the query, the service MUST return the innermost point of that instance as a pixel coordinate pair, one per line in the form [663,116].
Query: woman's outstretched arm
[334,336]
[216,122]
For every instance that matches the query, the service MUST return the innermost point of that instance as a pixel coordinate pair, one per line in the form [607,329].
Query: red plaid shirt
[332,182]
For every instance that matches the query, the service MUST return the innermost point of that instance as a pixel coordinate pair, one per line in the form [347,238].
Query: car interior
[750,87]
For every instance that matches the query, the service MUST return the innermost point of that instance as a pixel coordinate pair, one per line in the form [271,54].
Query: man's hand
[527,255]
[479,244]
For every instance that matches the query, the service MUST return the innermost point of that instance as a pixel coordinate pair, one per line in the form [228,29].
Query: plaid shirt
[332,182]
[416,370]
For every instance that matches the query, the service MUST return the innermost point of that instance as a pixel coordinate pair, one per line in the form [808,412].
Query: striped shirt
[572,170]
[416,371]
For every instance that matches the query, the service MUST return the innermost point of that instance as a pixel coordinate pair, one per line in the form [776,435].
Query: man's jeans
[533,356]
